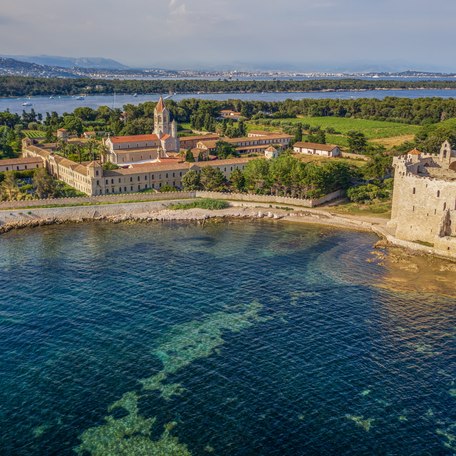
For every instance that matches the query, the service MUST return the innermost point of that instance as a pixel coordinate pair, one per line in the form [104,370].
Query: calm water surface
[232,339]
[68,104]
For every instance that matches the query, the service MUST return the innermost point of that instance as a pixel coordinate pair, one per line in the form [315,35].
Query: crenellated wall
[424,208]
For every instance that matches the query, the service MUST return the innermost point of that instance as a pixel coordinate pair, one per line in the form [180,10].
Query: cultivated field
[33,134]
[389,134]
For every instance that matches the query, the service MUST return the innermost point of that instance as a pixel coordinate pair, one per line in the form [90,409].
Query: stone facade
[92,179]
[20,164]
[424,199]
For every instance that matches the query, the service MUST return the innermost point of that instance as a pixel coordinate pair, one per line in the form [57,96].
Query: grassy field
[377,209]
[389,134]
[33,134]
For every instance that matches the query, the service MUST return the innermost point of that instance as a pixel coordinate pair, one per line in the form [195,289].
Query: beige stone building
[424,198]
[91,179]
[323,150]
[20,164]
[249,144]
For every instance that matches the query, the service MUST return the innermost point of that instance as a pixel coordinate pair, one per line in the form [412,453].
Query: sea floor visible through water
[227,339]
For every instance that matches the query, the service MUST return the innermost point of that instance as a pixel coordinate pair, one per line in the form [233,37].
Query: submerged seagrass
[131,434]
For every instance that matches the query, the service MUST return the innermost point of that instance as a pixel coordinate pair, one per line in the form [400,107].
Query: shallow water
[232,339]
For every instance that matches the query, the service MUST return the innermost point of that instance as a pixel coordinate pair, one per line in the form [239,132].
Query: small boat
[51,97]
[26,103]
[80,98]
[135,95]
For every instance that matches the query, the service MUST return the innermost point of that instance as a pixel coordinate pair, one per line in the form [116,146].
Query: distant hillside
[71,62]
[12,67]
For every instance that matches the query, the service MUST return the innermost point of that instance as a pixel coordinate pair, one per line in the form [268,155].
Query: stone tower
[445,153]
[162,125]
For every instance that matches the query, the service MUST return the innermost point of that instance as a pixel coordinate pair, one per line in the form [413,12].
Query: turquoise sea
[246,338]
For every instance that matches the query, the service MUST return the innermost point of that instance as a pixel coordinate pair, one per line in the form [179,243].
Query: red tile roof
[130,139]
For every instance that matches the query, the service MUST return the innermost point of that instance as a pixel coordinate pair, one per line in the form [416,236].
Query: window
[438,193]
[112,181]
[414,190]
[131,179]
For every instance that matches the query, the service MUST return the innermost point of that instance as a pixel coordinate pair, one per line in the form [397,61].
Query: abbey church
[126,150]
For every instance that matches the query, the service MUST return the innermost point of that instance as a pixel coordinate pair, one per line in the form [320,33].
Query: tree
[237,180]
[256,175]
[357,142]
[378,167]
[9,188]
[224,150]
[191,181]
[189,156]
[318,137]
[212,179]
[44,184]
[298,133]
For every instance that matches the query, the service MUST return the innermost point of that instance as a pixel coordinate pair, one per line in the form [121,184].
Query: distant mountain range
[70,62]
[12,67]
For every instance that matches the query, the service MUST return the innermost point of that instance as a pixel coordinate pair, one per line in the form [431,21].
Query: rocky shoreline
[189,215]
[159,212]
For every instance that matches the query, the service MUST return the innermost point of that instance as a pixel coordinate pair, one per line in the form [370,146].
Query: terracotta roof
[227,162]
[166,136]
[160,105]
[20,161]
[199,138]
[414,152]
[316,146]
[149,168]
[130,139]
[246,138]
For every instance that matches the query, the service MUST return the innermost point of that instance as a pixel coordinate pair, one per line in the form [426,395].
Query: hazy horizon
[295,35]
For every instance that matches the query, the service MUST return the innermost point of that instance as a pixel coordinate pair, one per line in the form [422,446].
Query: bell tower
[161,119]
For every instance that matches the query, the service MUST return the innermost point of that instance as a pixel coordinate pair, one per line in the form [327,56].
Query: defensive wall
[143,197]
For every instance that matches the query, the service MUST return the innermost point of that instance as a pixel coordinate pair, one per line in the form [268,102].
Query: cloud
[186,33]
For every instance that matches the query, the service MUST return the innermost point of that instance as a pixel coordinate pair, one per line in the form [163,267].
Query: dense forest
[13,86]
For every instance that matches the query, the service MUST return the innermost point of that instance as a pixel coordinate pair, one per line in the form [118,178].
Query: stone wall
[128,197]
[105,199]
[272,199]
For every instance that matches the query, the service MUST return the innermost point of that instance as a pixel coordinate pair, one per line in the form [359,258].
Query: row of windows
[18,168]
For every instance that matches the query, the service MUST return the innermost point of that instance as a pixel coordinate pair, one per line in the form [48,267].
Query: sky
[303,35]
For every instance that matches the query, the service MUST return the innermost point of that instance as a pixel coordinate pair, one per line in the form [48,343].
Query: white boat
[80,98]
[26,103]
[51,97]
[135,95]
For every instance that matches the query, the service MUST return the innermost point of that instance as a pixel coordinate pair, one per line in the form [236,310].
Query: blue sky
[298,34]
